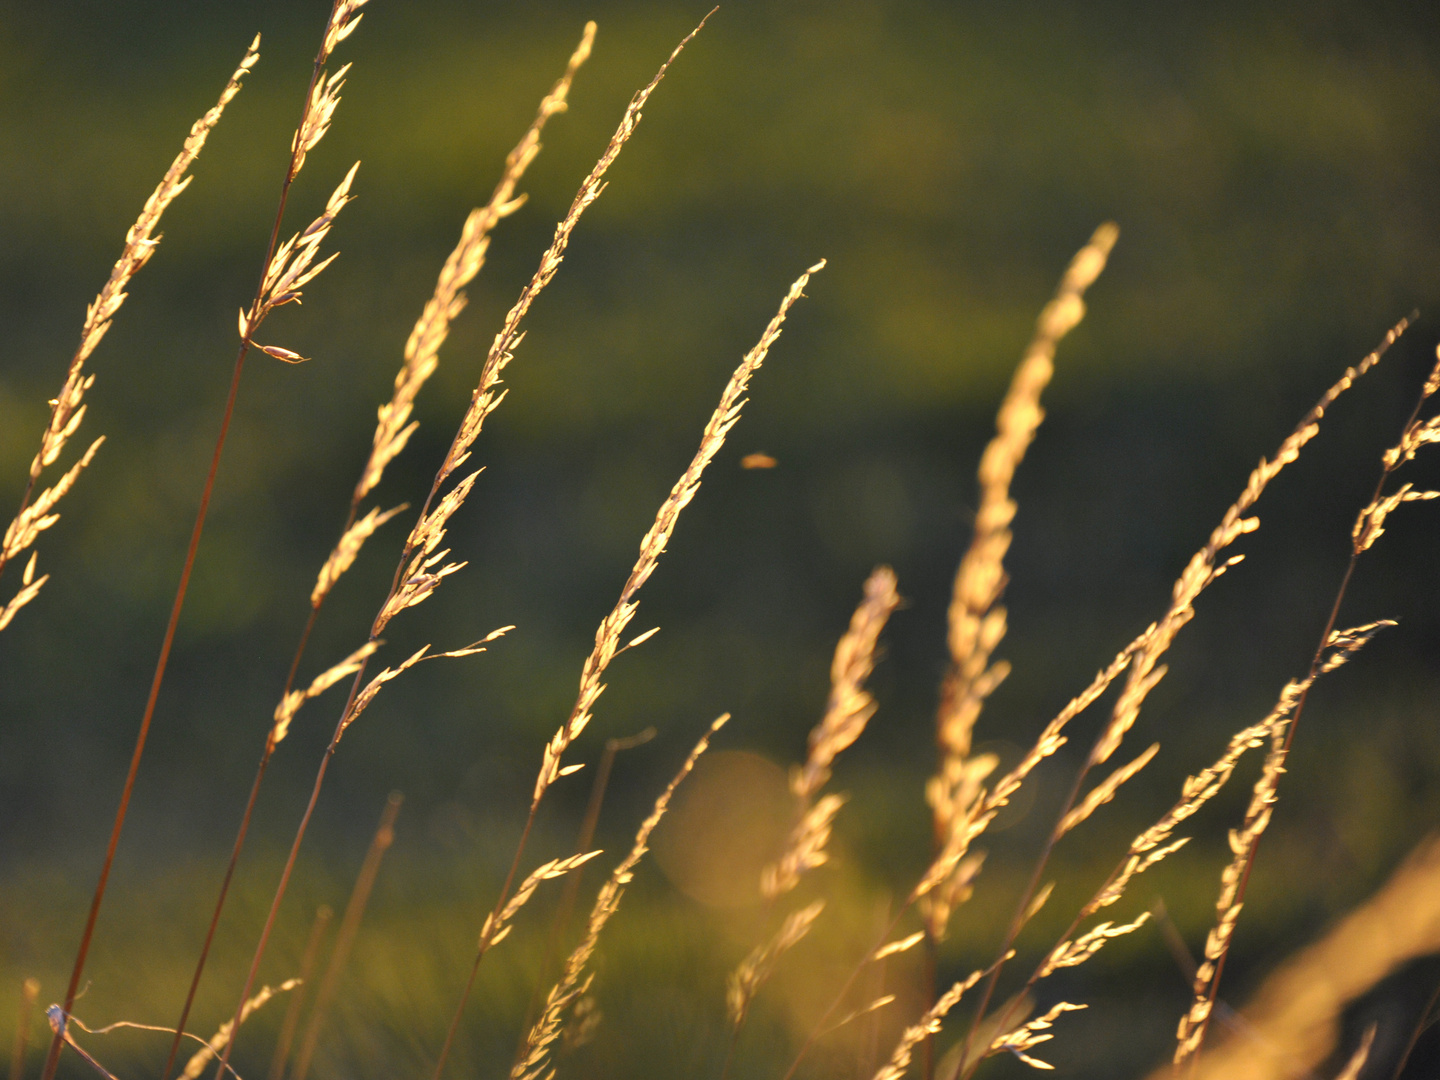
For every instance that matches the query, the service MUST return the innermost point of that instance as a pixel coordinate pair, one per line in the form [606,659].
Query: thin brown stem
[215,915]
[349,929]
[308,959]
[240,835]
[279,894]
[52,1058]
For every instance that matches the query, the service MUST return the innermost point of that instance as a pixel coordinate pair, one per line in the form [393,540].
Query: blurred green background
[1272,169]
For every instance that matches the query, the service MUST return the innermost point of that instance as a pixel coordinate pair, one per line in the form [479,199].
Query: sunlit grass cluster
[891,1007]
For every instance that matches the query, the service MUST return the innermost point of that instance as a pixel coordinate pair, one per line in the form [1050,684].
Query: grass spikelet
[196,1065]
[67,409]
[928,1025]
[346,549]
[290,704]
[30,587]
[805,848]
[1030,1035]
[1104,791]
[498,927]
[977,622]
[324,94]
[1074,953]
[290,270]
[745,981]
[573,982]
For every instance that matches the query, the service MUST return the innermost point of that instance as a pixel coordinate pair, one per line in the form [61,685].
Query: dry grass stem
[349,930]
[67,409]
[573,982]
[291,1023]
[977,622]
[1191,1032]
[652,545]
[745,981]
[196,1065]
[928,1025]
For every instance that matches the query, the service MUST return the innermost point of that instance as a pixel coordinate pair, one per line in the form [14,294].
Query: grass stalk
[257,310]
[392,433]
[308,960]
[349,930]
